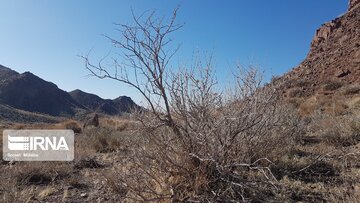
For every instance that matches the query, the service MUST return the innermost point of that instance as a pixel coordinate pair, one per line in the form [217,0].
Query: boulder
[342,73]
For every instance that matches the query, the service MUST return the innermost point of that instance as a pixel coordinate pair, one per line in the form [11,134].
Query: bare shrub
[197,142]
[91,120]
[113,183]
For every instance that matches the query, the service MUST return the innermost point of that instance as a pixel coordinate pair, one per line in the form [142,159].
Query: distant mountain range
[30,93]
[92,102]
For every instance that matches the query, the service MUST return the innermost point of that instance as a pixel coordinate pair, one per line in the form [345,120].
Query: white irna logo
[37,143]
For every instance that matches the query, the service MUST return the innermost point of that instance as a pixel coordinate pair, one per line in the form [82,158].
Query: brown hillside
[333,59]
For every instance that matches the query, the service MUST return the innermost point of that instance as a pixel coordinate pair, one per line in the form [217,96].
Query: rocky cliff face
[334,54]
[353,4]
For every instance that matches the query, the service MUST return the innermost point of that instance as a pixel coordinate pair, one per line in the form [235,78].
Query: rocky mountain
[90,101]
[30,93]
[97,104]
[334,56]
[6,73]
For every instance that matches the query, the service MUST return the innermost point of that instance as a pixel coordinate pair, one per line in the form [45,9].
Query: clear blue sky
[45,36]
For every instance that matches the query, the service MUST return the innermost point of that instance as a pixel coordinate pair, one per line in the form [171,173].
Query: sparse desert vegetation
[312,158]
[294,139]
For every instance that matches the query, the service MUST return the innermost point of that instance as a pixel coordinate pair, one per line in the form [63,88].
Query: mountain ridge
[28,92]
[334,56]
[119,105]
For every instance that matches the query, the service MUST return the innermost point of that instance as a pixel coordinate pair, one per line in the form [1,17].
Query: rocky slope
[334,56]
[9,114]
[28,92]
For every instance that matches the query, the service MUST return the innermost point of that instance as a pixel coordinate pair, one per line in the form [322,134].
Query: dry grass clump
[354,103]
[324,104]
[19,182]
[332,85]
[318,175]
[330,129]
[294,83]
[41,173]
[351,90]
[20,126]
[337,131]
[71,125]
[104,140]
[295,102]
[309,106]
[117,123]
[340,139]
[302,83]
[33,178]
[87,163]
[296,92]
[355,130]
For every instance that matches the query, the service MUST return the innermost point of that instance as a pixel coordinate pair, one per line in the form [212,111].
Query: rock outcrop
[334,54]
[353,4]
